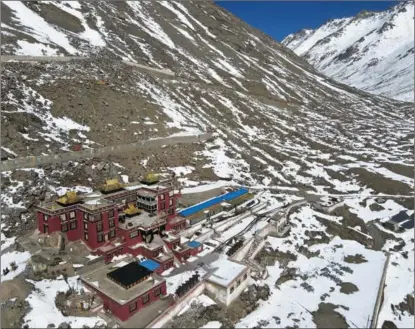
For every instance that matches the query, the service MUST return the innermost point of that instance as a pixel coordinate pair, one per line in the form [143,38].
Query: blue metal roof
[150,264]
[214,201]
[194,244]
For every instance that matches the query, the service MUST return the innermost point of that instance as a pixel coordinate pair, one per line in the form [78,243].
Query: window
[161,196]
[157,291]
[73,225]
[64,227]
[163,205]
[171,211]
[98,217]
[63,217]
[238,283]
[112,222]
[86,236]
[72,214]
[86,216]
[99,227]
[145,299]
[155,253]
[111,234]
[132,307]
[245,276]
[100,237]
[232,289]
[170,202]
[46,217]
[111,213]
[86,226]
[171,193]
[133,234]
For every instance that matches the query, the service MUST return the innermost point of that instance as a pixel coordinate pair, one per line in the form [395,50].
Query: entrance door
[45,229]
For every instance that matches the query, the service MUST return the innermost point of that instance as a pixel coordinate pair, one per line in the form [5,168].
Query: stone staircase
[254,246]
[261,272]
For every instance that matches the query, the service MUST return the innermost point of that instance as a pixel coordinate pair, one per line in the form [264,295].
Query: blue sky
[280,18]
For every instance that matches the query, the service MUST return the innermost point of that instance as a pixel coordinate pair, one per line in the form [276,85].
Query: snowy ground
[44,311]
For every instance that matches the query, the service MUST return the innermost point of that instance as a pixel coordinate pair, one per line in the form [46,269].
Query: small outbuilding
[228,281]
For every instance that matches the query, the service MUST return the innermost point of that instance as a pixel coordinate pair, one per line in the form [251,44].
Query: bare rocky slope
[277,120]
[373,51]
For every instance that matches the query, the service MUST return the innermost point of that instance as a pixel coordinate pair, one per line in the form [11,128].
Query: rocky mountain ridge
[373,51]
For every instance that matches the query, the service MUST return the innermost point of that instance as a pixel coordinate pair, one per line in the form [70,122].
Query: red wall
[92,241]
[122,311]
[130,241]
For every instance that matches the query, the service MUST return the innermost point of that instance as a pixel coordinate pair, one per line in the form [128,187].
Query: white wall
[218,291]
[238,290]
[223,294]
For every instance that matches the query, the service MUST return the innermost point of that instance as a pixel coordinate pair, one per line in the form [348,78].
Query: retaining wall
[35,161]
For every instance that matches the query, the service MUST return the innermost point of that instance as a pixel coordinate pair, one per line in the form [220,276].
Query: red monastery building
[120,219]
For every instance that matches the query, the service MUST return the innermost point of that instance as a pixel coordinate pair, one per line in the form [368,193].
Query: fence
[35,161]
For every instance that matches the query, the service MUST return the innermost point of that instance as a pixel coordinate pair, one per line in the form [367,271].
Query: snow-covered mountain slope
[278,123]
[373,51]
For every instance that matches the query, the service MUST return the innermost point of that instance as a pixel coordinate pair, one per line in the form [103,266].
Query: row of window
[144,299]
[163,196]
[238,283]
[100,236]
[65,227]
[98,217]
[72,215]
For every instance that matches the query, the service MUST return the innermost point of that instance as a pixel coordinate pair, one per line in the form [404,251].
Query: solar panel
[400,217]
[129,275]
[408,225]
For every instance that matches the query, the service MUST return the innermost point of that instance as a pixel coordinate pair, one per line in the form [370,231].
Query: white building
[228,281]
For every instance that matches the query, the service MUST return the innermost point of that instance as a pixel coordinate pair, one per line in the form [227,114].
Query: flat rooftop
[129,275]
[51,206]
[147,194]
[226,272]
[143,220]
[98,278]
[93,204]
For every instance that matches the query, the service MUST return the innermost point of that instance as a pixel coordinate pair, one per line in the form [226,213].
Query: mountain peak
[367,51]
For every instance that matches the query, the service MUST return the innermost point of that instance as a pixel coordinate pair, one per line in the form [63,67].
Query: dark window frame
[100,226]
[64,227]
[111,213]
[157,292]
[132,307]
[245,276]
[232,290]
[71,225]
[111,234]
[112,222]
[100,236]
[145,299]
[86,236]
